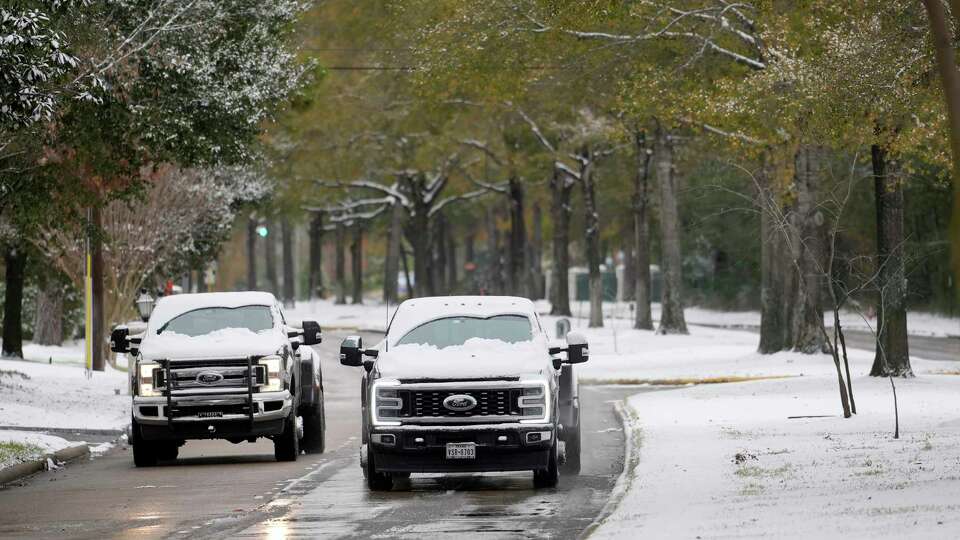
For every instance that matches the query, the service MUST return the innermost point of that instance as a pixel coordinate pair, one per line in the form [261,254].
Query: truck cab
[222,366]
[467,384]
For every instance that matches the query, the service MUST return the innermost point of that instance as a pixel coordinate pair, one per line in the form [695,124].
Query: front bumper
[499,447]
[216,411]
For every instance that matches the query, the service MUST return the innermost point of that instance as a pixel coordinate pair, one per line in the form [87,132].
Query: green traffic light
[262,231]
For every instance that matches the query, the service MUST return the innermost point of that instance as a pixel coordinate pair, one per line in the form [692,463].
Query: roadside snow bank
[725,460]
[61,396]
[20,446]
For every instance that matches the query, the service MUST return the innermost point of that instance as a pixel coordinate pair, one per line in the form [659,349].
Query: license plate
[461,450]
[210,414]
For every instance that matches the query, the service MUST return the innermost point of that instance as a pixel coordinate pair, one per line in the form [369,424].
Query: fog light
[418,440]
[502,438]
[538,436]
[384,438]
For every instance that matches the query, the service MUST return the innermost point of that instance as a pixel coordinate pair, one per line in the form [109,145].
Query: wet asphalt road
[220,490]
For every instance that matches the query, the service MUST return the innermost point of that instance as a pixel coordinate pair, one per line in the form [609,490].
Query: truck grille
[220,374]
[490,402]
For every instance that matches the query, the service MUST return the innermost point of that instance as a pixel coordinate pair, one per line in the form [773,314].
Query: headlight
[146,377]
[274,380]
[534,403]
[386,403]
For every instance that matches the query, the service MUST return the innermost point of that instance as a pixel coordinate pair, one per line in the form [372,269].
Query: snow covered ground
[61,396]
[918,323]
[19,446]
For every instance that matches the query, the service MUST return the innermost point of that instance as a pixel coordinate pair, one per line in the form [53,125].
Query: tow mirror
[118,339]
[351,351]
[578,351]
[311,333]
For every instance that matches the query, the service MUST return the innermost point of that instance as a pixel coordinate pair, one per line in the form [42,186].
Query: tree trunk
[494,266]
[15,260]
[391,264]
[518,239]
[643,318]
[315,272]
[356,263]
[406,271]
[775,266]
[100,348]
[48,314]
[892,353]
[439,254]
[591,224]
[451,248]
[289,283]
[808,322]
[950,81]
[418,234]
[671,311]
[536,255]
[561,187]
[271,258]
[340,269]
[251,254]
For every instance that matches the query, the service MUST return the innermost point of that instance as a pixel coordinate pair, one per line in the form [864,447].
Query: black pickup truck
[222,366]
[468,384]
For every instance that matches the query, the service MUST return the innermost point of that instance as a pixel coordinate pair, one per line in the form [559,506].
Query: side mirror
[311,333]
[351,351]
[118,339]
[578,351]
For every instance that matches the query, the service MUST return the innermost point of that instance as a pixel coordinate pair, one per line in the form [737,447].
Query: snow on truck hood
[226,343]
[477,358]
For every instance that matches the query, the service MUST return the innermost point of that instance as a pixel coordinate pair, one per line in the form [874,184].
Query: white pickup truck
[223,366]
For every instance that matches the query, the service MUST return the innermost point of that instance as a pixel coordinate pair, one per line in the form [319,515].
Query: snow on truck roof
[169,307]
[416,311]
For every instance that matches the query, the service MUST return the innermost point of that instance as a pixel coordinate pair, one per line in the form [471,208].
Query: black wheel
[548,478]
[286,446]
[144,453]
[167,450]
[314,425]
[571,441]
[376,481]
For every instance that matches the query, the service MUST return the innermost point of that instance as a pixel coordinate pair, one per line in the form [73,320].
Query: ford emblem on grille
[209,377]
[460,402]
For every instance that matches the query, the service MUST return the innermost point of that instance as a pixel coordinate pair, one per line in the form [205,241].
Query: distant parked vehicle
[223,366]
[467,384]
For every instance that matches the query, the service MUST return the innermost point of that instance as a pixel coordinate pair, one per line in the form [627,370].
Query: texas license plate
[461,450]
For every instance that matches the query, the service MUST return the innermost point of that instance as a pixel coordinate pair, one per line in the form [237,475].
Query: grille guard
[167,392]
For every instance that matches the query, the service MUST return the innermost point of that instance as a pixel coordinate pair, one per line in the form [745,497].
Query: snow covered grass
[20,446]
[726,460]
[61,396]
[919,323]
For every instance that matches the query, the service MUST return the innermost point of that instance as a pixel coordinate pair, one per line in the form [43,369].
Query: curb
[631,458]
[27,468]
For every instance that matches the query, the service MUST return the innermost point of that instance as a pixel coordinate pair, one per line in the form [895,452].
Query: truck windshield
[203,321]
[452,331]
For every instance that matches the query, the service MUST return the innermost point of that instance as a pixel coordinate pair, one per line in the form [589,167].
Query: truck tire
[376,481]
[314,426]
[144,453]
[571,442]
[548,478]
[286,446]
[167,450]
